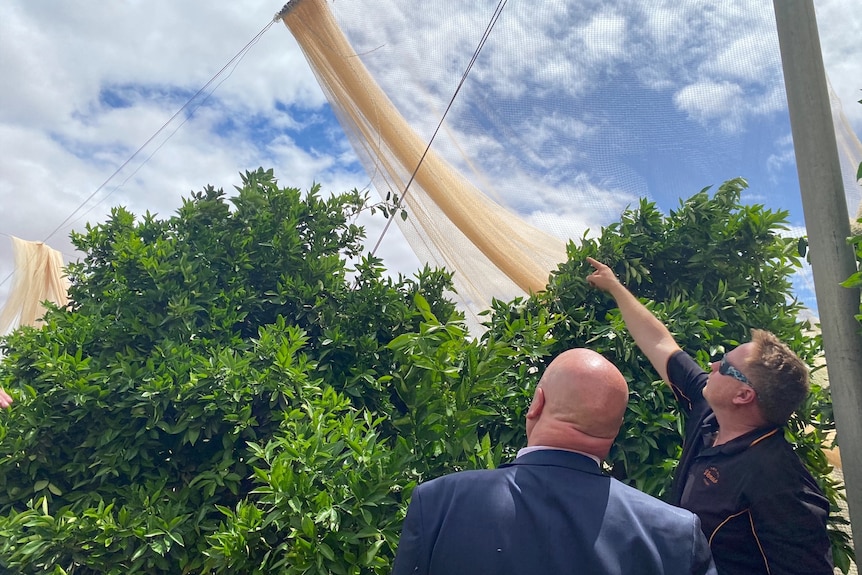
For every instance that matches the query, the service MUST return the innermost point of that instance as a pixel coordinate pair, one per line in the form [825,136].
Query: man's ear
[537,405]
[745,395]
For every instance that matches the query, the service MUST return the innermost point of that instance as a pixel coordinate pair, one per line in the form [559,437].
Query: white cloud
[840,26]
[611,28]
[707,102]
[783,155]
[589,208]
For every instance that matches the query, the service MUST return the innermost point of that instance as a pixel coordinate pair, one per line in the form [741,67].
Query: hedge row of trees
[225,395]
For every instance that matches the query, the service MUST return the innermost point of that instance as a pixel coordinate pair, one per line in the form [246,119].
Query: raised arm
[650,335]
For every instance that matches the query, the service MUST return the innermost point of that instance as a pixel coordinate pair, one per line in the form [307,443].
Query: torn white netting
[38,277]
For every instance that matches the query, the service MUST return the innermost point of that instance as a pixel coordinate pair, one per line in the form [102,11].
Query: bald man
[553,510]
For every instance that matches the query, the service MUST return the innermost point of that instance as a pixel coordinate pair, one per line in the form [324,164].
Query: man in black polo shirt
[760,509]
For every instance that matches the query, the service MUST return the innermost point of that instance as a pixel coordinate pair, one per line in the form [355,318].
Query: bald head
[579,403]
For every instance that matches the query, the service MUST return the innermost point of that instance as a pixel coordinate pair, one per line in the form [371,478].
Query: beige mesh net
[494,254]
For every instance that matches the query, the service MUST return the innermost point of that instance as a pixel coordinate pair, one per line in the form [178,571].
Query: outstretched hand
[5,399]
[603,278]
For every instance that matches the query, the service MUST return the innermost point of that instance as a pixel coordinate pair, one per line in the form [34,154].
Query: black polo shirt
[759,507]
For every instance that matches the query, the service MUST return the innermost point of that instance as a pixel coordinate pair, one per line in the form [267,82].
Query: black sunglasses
[724,368]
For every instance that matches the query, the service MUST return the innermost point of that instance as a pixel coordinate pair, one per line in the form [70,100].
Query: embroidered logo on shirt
[710,476]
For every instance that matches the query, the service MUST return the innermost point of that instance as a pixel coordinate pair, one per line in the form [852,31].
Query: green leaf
[326,551]
[371,552]
[308,527]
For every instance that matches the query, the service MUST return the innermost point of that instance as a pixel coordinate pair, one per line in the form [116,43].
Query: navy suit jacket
[549,512]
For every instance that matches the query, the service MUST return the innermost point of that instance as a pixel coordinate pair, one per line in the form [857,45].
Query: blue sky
[573,111]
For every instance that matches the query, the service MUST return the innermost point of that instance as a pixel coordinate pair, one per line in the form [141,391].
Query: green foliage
[225,395]
[855,280]
[156,416]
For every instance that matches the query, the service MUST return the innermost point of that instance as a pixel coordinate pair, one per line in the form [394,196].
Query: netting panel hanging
[451,222]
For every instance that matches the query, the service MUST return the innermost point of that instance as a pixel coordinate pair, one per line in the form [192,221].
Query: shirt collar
[709,430]
[532,448]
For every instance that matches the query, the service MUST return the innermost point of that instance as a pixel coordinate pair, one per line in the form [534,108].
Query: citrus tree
[211,366]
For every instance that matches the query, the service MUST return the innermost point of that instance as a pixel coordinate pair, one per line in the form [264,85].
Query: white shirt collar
[526,450]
